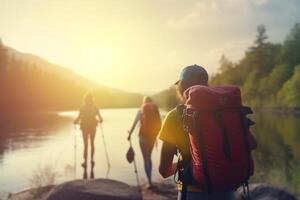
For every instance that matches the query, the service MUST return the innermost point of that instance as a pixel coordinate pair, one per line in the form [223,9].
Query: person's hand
[129,136]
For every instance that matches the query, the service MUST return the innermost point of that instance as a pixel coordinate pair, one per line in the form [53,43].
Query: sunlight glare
[99,58]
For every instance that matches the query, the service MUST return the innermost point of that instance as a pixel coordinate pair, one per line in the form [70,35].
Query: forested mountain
[268,74]
[28,82]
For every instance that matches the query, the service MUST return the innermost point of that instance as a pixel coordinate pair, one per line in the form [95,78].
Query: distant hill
[29,82]
[268,74]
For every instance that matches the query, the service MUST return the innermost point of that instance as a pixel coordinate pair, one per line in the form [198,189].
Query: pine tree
[291,47]
[225,64]
[261,37]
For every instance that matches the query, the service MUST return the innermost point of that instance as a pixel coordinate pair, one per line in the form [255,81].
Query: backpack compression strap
[196,117]
[220,119]
[246,123]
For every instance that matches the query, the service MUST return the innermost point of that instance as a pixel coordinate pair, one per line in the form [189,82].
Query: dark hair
[88,98]
[184,85]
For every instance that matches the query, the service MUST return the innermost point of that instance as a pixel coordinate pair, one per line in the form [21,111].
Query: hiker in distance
[212,135]
[88,118]
[150,122]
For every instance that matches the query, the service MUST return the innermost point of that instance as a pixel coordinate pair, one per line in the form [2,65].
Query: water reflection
[27,130]
[278,156]
[48,139]
[85,172]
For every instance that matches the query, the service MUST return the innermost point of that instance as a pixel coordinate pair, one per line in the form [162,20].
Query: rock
[166,190]
[265,192]
[31,194]
[98,189]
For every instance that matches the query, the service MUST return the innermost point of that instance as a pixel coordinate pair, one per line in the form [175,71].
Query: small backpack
[218,129]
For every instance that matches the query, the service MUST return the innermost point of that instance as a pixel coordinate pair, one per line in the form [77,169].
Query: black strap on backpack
[183,167]
[220,119]
[182,175]
[245,124]
[185,181]
[246,193]
[245,128]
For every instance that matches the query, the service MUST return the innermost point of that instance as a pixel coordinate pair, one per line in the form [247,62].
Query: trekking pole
[75,151]
[105,148]
[136,173]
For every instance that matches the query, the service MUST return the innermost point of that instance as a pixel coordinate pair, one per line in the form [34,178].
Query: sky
[141,45]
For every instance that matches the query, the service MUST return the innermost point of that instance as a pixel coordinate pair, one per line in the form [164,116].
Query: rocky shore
[107,189]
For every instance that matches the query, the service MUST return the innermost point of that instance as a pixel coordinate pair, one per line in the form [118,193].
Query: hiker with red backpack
[150,123]
[210,134]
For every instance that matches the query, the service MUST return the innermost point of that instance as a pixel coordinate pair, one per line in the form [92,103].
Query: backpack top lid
[206,98]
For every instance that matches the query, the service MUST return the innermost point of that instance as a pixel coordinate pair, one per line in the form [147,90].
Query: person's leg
[85,146]
[84,172]
[92,138]
[150,146]
[146,148]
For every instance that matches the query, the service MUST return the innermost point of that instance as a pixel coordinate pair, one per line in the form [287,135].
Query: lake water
[38,146]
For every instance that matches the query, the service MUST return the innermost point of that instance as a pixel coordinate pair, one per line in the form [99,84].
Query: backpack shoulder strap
[245,110]
[184,117]
[180,108]
[245,124]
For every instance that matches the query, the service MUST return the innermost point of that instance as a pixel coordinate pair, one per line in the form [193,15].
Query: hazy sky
[141,45]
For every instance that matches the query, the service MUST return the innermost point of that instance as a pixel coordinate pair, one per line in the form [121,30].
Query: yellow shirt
[172,131]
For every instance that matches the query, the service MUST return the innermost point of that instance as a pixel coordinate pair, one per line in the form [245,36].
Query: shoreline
[294,111]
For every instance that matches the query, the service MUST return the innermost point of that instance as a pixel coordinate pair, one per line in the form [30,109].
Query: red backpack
[216,123]
[150,120]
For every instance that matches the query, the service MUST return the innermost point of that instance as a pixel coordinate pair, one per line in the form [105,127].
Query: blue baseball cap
[193,72]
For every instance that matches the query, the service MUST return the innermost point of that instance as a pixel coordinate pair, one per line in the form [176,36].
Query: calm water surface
[31,144]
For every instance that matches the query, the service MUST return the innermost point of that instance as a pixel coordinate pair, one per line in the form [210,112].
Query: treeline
[26,85]
[268,74]
[167,99]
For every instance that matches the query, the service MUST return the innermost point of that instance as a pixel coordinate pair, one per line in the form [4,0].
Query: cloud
[261,2]
[188,21]
[210,28]
[235,12]
[229,49]
[211,13]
